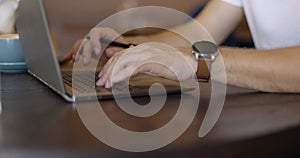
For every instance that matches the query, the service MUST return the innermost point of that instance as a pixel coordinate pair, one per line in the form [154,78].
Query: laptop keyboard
[84,82]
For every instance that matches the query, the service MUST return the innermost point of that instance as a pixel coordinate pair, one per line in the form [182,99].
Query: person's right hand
[154,58]
[91,44]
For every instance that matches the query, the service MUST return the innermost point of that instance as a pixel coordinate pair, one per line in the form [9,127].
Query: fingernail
[100,74]
[107,84]
[98,83]
[97,51]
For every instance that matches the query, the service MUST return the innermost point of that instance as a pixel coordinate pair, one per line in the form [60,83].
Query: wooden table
[36,122]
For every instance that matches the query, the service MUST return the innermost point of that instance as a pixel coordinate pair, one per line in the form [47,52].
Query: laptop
[42,63]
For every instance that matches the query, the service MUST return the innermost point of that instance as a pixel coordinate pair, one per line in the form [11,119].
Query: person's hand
[154,58]
[91,44]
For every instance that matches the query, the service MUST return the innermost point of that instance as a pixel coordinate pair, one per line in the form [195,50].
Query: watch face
[205,49]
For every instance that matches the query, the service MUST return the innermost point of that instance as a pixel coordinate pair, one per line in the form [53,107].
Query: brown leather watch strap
[203,71]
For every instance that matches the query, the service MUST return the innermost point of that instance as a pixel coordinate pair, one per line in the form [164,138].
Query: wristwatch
[205,52]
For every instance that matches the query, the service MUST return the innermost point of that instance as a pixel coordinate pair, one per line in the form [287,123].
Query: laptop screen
[39,51]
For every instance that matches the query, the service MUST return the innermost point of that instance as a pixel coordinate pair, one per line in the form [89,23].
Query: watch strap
[203,70]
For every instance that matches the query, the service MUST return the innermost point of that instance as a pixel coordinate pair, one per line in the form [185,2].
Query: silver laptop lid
[37,45]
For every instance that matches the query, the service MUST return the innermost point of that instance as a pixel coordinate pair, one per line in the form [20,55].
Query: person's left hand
[154,58]
[88,47]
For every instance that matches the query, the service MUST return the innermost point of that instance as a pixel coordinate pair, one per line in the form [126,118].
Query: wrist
[191,60]
[205,52]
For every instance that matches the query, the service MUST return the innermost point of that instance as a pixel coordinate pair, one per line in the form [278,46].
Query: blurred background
[72,19]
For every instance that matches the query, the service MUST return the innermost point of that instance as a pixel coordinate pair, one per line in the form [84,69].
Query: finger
[100,74]
[130,71]
[120,70]
[118,62]
[104,73]
[110,34]
[73,51]
[152,67]
[76,49]
[87,53]
[114,64]
[110,51]
[95,36]
[80,50]
[126,73]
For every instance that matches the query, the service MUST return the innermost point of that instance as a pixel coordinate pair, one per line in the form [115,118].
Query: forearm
[181,36]
[270,71]
[215,23]
[164,36]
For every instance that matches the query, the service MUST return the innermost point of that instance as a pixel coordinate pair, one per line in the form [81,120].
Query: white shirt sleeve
[237,3]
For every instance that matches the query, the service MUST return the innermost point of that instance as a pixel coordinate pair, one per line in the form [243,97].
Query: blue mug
[10,49]
[11,54]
